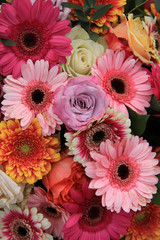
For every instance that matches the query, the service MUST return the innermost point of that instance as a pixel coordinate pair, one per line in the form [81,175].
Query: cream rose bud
[84,53]
[10,192]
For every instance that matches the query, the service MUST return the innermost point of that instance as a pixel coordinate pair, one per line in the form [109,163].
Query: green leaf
[157,5]
[93,3]
[138,2]
[93,36]
[86,4]
[99,13]
[81,16]
[8,42]
[97,7]
[86,7]
[105,26]
[138,122]
[72,5]
[155,104]
[156,197]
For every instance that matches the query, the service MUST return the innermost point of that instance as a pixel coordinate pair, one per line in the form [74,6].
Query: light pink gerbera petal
[126,180]
[124,80]
[32,95]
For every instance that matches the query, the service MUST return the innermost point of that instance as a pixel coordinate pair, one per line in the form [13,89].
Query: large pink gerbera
[32,95]
[124,173]
[113,125]
[55,214]
[154,80]
[36,32]
[125,81]
[23,224]
[89,220]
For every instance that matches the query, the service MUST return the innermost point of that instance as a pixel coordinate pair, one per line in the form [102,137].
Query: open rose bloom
[79,120]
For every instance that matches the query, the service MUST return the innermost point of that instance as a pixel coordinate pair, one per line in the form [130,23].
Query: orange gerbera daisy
[145,224]
[111,15]
[26,155]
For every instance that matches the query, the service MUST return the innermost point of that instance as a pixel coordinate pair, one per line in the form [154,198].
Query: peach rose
[142,43]
[64,176]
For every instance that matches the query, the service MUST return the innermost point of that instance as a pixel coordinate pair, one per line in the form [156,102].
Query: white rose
[10,192]
[84,53]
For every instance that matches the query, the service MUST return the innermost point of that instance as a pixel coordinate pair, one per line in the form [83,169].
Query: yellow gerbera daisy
[145,224]
[26,155]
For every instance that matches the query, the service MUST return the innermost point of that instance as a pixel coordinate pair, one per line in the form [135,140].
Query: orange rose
[139,40]
[64,175]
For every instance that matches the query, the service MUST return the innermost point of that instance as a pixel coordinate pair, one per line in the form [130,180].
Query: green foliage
[155,104]
[157,5]
[72,5]
[100,12]
[89,12]
[8,42]
[138,122]
[136,7]
[156,197]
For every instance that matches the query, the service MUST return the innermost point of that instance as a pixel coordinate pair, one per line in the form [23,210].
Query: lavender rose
[79,102]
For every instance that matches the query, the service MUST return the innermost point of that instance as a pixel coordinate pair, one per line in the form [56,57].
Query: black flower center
[118,85]
[123,171]
[37,96]
[30,40]
[99,136]
[22,231]
[52,210]
[49,211]
[94,213]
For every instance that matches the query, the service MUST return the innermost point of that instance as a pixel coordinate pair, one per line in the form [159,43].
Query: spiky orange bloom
[145,224]
[111,16]
[26,155]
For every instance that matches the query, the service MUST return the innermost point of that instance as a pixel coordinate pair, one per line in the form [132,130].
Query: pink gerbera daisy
[124,173]
[23,224]
[32,95]
[154,80]
[113,125]
[36,32]
[89,220]
[55,214]
[125,81]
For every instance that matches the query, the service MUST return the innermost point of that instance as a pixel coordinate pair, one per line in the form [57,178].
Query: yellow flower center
[25,148]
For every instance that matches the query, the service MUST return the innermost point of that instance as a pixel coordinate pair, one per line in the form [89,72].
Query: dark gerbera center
[93,212]
[97,134]
[21,229]
[37,96]
[30,40]
[50,211]
[142,217]
[118,85]
[123,171]
[25,148]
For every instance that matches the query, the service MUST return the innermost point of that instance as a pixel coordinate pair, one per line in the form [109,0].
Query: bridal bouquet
[79,119]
